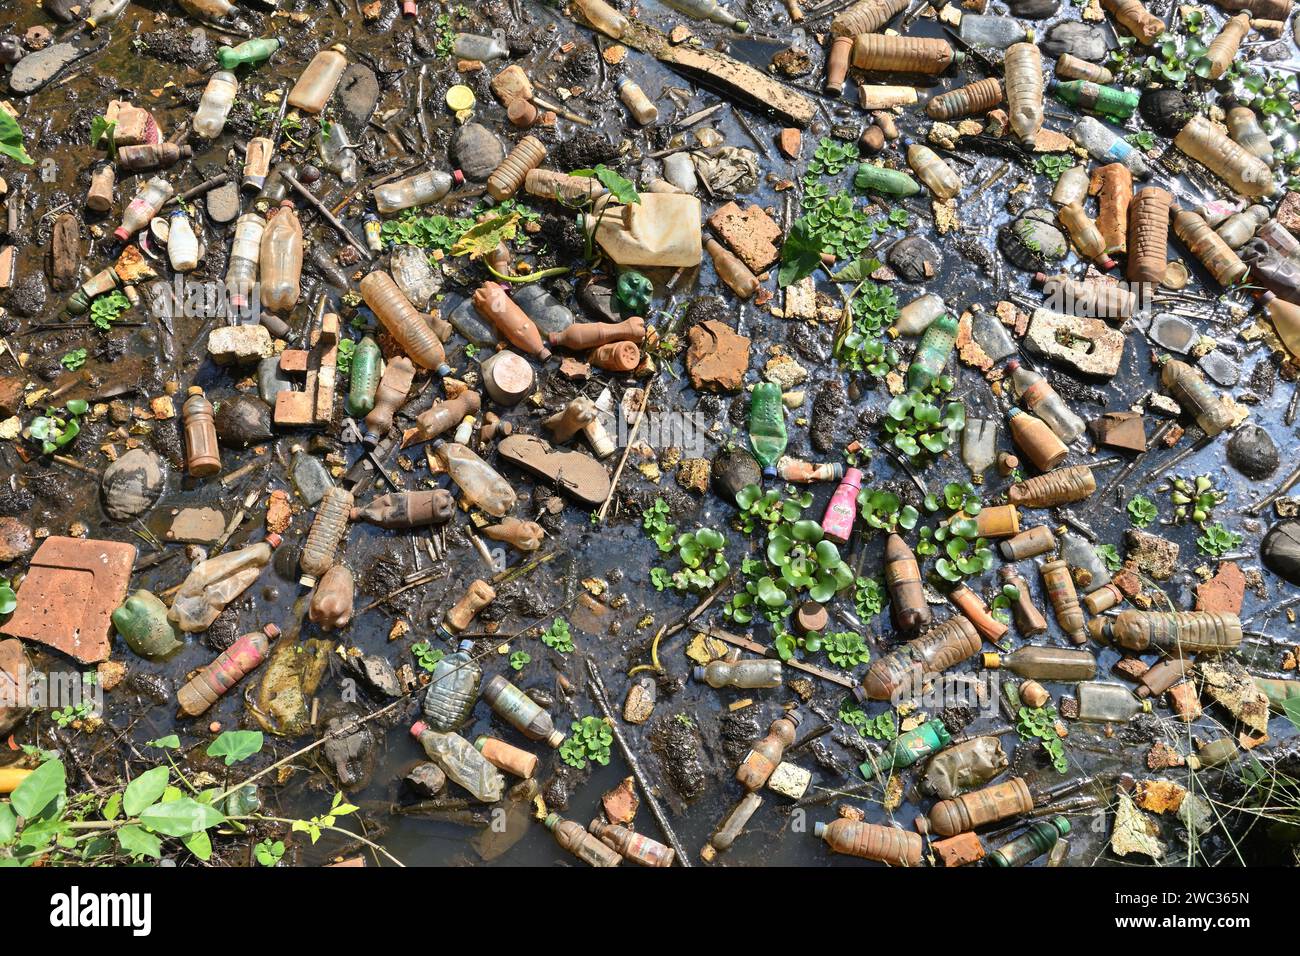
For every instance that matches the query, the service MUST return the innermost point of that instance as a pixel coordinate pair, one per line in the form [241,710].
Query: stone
[1162,757]
[72,587]
[1280,550]
[477,151]
[1078,39]
[1232,687]
[242,421]
[279,513]
[1033,241]
[1183,701]
[1130,668]
[197,526]
[788,141]
[574,473]
[426,779]
[351,752]
[693,474]
[735,468]
[239,344]
[789,780]
[717,358]
[1252,451]
[750,233]
[1220,369]
[1173,333]
[222,203]
[639,704]
[356,97]
[15,539]
[36,69]
[1288,213]
[1134,831]
[915,259]
[1089,346]
[132,485]
[1150,554]
[1224,592]
[11,395]
[1123,430]
[801,299]
[960,850]
[784,371]
[1033,9]
[13,684]
[1159,796]
[621,803]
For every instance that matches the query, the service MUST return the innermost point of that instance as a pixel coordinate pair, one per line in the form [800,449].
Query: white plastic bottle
[182,244]
[417,190]
[218,98]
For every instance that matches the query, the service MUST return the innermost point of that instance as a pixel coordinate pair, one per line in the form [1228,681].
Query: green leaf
[45,784]
[200,844]
[8,823]
[236,745]
[11,140]
[144,790]
[801,253]
[180,817]
[484,237]
[170,742]
[137,841]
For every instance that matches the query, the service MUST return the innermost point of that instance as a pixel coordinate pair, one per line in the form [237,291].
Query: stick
[631,440]
[757,648]
[329,217]
[598,695]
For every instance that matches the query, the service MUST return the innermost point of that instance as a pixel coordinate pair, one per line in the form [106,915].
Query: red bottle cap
[457,176]
[121,234]
[273,540]
[272,631]
[418,728]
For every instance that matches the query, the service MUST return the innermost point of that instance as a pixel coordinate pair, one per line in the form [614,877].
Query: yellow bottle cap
[460,97]
[992,661]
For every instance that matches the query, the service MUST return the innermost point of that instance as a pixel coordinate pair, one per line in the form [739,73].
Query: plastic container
[746,674]
[1060,487]
[471,46]
[587,848]
[1088,568]
[881,179]
[1239,228]
[146,157]
[1106,146]
[316,84]
[992,32]
[462,764]
[248,53]
[363,383]
[979,808]
[507,757]
[182,244]
[907,748]
[1113,186]
[638,104]
[331,602]
[915,317]
[1058,584]
[1189,389]
[764,755]
[1085,235]
[1036,394]
[1036,439]
[1029,620]
[229,667]
[602,16]
[1174,632]
[1101,702]
[1090,298]
[494,305]
[214,583]
[731,270]
[937,175]
[1046,663]
[245,253]
[1028,544]
[971,763]
[842,509]
[1223,48]
[902,672]
[1136,19]
[142,622]
[506,179]
[1023,68]
[866,16]
[1208,247]
[903,579]
[1030,845]
[978,97]
[581,336]
[632,845]
[1070,67]
[710,11]
[1115,104]
[1244,127]
[663,229]
[875,52]
[1148,235]
[418,190]
[871,841]
[1231,162]
[767,434]
[1072,187]
[932,353]
[280,260]
[328,529]
[218,97]
[403,322]
[561,187]
[202,453]
[479,482]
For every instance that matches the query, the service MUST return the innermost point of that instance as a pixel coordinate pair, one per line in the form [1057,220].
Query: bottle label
[1118,150]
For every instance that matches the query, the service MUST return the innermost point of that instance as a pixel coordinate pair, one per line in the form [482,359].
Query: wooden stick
[755,647]
[329,217]
[631,440]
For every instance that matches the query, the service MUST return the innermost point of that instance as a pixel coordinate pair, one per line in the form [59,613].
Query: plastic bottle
[1033,436]
[731,827]
[973,810]
[214,679]
[994,32]
[248,53]
[1189,389]
[1046,663]
[937,175]
[880,179]
[731,270]
[492,303]
[146,157]
[971,763]
[1261,9]
[1070,67]
[837,64]
[506,757]
[461,763]
[870,841]
[331,601]
[280,260]
[1103,599]
[142,622]
[214,583]
[580,336]
[904,670]
[632,845]
[444,415]
[1059,587]
[245,252]
[403,510]
[1060,487]
[975,98]
[903,54]
[477,596]
[915,317]
[521,711]
[1148,236]
[1029,620]
[1072,187]
[1112,184]
[328,530]
[1113,103]
[1101,702]
[182,244]
[767,435]
[506,179]
[1222,50]
[602,16]
[418,190]
[403,322]
[1231,162]
[99,197]
[1285,317]
[1239,228]
[974,609]
[1035,392]
[202,453]
[746,674]
[708,10]
[146,204]
[903,579]
[866,16]
[842,509]
[1174,632]
[1162,675]
[453,689]
[481,485]
[932,353]
[394,386]
[214,107]
[907,748]
[1105,146]
[561,187]
[1028,544]
[1023,69]
[1090,298]
[210,9]
[1244,127]
[316,84]
[641,107]
[802,472]
[765,754]
[1030,845]
[587,848]
[364,377]
[1089,570]
[1208,247]
[471,46]
[1136,19]
[1085,235]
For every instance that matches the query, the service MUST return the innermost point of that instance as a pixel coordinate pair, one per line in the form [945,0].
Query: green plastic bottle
[1113,103]
[248,53]
[1031,844]
[142,622]
[891,182]
[367,361]
[767,426]
[932,353]
[906,749]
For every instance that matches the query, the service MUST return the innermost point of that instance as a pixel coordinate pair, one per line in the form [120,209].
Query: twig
[631,440]
[329,217]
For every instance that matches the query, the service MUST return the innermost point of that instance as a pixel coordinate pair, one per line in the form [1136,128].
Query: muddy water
[146,54]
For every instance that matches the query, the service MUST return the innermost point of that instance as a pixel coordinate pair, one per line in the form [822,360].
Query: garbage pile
[858,424]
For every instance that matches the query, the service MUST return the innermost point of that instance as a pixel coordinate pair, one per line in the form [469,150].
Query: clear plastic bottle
[151,197]
[915,317]
[866,16]
[1190,390]
[409,266]
[337,152]
[280,260]
[214,583]
[561,187]
[408,509]
[634,846]
[471,46]
[1046,663]
[1102,702]
[1106,146]
[478,480]
[937,175]
[1089,570]
[993,32]
[1023,66]
[1035,392]
[734,823]
[453,689]
[1231,162]
[214,107]
[641,107]
[245,252]
[1209,248]
[316,84]
[746,674]
[1085,235]
[328,529]
[182,244]
[418,190]
[602,16]
[1244,127]
[461,762]
[403,322]
[710,11]
[521,711]
[1239,228]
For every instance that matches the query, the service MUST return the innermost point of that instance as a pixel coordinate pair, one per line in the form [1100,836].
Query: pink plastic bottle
[837,523]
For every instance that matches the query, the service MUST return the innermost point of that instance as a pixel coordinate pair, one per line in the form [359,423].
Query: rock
[1034,9]
[621,803]
[1220,369]
[693,474]
[717,358]
[15,539]
[1134,831]
[1162,757]
[578,475]
[377,674]
[239,344]
[242,421]
[1288,213]
[1078,39]
[735,468]
[1173,333]
[1122,430]
[13,684]
[639,705]
[197,525]
[828,407]
[1160,796]
[960,850]
[915,259]
[1152,555]
[132,484]
[356,97]
[11,395]
[750,233]
[1166,110]
[426,779]
[222,203]
[1232,687]
[1089,346]
[352,754]
[1280,550]
[1224,592]
[788,142]
[477,151]
[36,69]
[784,371]
[1033,240]
[279,512]
[1252,451]
[789,780]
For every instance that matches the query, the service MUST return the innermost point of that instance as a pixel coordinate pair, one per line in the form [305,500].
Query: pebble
[132,484]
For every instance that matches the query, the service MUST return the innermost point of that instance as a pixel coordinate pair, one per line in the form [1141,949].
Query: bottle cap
[698,673]
[418,728]
[819,828]
[1013,364]
[465,645]
[273,540]
[958,56]
[992,661]
[121,234]
[860,694]
[480,742]
[1013,411]
[457,176]
[552,821]
[272,631]
[1053,85]
[1062,825]
[555,739]
[1106,262]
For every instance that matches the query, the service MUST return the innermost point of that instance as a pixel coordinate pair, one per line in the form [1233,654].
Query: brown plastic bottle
[870,841]
[1059,586]
[331,602]
[731,827]
[507,757]
[1231,162]
[1070,67]
[1091,298]
[766,753]
[903,579]
[1033,436]
[731,270]
[866,16]
[978,97]
[945,645]
[1135,18]
[328,529]
[587,848]
[403,322]
[1208,246]
[506,179]
[1113,186]
[99,197]
[521,711]
[903,54]
[973,810]
[1195,397]
[402,510]
[202,453]
[446,414]
[571,419]
[492,303]
[394,386]
[1035,662]
[1223,48]
[1148,235]
[1175,632]
[616,357]
[837,64]
[476,597]
[1023,70]
[1103,599]
[214,679]
[632,845]
[1028,544]
[1163,675]
[1060,487]
[1263,9]
[1087,238]
[1029,620]
[524,535]
[581,336]
[974,609]
[146,157]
